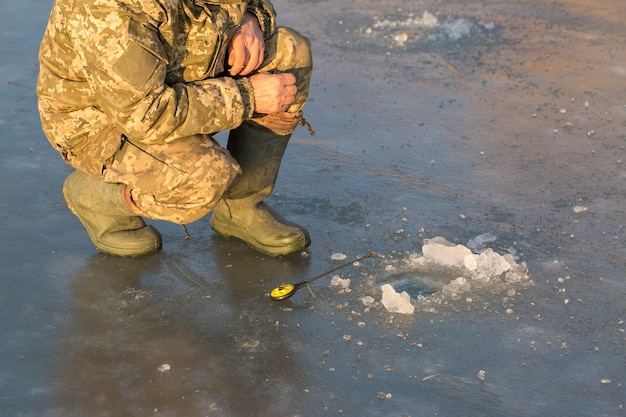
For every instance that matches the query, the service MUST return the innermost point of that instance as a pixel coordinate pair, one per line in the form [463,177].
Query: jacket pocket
[144,56]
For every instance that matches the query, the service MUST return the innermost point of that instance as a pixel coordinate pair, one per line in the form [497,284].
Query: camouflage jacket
[152,70]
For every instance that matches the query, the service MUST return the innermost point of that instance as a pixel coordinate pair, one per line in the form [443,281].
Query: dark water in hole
[414,285]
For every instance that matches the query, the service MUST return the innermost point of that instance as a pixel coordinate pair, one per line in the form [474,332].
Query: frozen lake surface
[497,126]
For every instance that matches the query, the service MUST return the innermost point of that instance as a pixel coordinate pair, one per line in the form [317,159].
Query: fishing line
[284,291]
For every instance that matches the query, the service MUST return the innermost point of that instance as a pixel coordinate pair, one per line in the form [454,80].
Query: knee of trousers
[179,182]
[191,199]
[290,51]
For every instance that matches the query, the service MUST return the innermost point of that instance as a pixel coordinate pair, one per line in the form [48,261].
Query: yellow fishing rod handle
[282,292]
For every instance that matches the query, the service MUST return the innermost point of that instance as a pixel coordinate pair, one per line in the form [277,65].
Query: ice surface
[396,302]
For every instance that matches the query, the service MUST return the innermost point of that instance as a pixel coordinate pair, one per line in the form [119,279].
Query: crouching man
[130,93]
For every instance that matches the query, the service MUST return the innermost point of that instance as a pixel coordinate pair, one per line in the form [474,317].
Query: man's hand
[273,93]
[247,47]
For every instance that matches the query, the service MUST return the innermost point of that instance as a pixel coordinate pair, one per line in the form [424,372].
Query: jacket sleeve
[125,64]
[266,15]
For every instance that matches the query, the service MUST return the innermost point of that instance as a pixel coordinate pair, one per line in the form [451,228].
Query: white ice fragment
[470,261]
[429,20]
[401,38]
[445,253]
[490,263]
[510,258]
[457,286]
[515,275]
[477,244]
[337,281]
[367,300]
[396,303]
[457,29]
[338,256]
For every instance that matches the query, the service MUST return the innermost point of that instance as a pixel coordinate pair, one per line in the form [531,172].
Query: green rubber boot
[111,225]
[242,213]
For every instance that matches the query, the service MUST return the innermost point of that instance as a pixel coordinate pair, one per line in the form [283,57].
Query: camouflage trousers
[183,180]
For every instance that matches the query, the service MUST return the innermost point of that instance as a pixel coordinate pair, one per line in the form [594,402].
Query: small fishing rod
[284,291]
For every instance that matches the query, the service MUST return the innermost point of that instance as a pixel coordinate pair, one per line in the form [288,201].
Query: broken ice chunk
[458,29]
[396,303]
[494,262]
[470,262]
[367,300]
[429,20]
[337,281]
[164,367]
[479,242]
[488,264]
[338,256]
[445,253]
[457,286]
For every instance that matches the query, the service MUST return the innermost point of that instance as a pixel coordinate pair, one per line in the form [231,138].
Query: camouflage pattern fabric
[130,91]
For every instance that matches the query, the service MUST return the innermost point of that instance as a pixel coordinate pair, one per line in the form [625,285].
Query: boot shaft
[259,154]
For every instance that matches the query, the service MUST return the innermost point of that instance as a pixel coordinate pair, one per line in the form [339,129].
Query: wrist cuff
[247,96]
[265,14]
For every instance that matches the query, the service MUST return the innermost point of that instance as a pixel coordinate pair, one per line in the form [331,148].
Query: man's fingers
[291,90]
[273,92]
[287,78]
[239,59]
[255,59]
